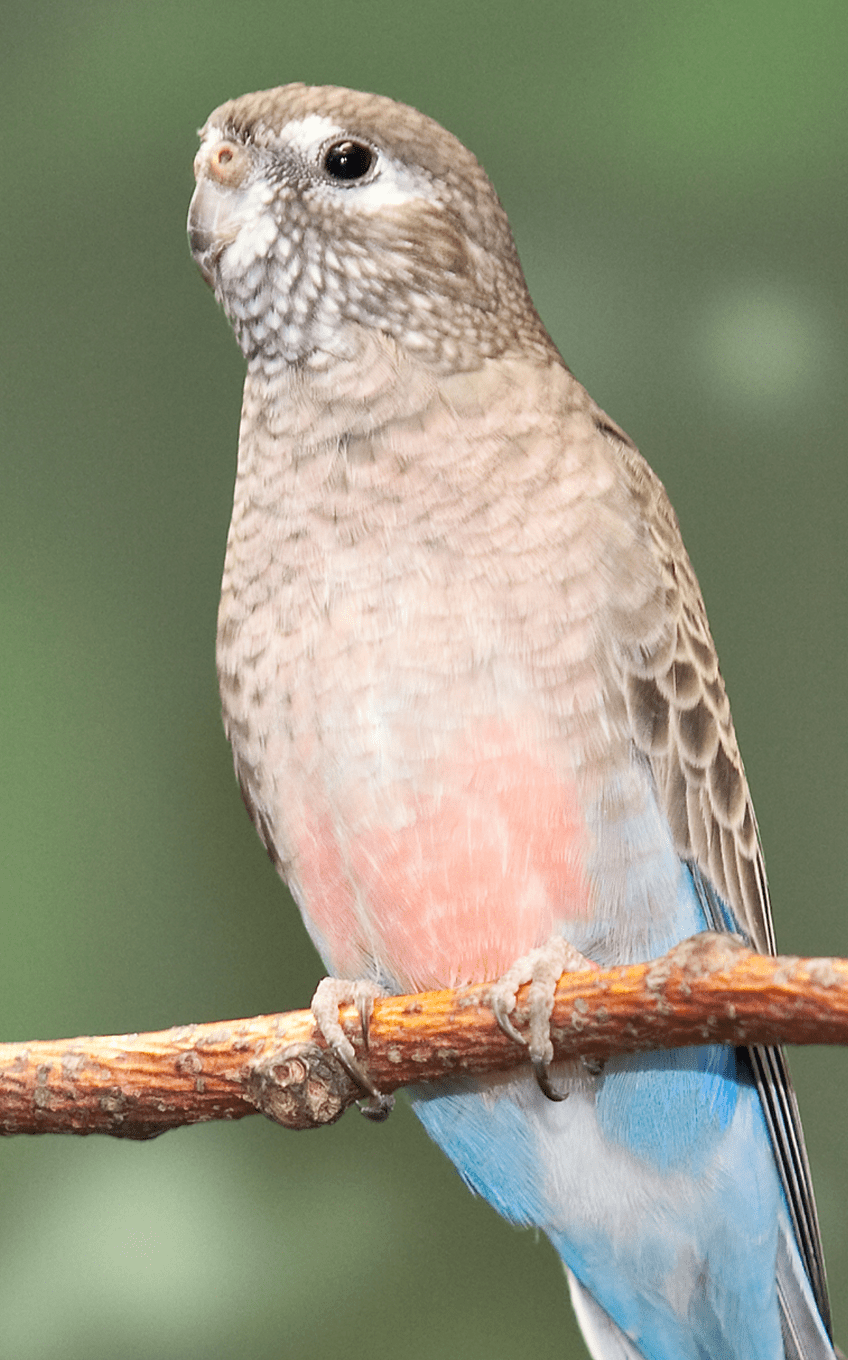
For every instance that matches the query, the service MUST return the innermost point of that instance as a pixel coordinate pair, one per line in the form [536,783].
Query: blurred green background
[676,177]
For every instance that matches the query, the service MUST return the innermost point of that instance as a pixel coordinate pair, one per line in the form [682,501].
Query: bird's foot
[542,968]
[330,994]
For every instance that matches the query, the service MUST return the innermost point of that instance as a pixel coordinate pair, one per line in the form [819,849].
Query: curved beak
[221,168]
[210,226]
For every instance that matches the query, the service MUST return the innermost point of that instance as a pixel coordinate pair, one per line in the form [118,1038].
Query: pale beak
[209,230]
[220,169]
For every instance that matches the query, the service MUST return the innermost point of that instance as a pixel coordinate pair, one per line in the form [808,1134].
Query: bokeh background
[676,177]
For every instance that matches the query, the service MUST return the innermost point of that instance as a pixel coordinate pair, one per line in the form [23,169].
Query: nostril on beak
[227,164]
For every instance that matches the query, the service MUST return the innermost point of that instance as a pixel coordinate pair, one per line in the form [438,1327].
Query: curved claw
[543,1078]
[377,1108]
[330,994]
[356,1071]
[542,968]
[501,1012]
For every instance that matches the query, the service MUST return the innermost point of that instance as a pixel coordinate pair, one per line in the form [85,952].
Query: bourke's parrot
[476,710]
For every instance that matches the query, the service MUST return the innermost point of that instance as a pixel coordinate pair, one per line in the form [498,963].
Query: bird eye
[348,160]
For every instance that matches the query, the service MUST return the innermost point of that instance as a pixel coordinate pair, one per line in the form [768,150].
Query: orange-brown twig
[708,989]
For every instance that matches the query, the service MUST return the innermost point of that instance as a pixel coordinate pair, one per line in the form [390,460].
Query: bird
[476,710]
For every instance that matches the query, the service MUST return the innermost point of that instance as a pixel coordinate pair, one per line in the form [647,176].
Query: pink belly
[458,883]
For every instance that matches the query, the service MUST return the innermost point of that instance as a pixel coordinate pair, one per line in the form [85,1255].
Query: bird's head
[319,209]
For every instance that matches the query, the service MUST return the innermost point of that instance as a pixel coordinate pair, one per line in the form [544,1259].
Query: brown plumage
[465,664]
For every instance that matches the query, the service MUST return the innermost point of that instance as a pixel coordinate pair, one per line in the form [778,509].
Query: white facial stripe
[393,184]
[307,134]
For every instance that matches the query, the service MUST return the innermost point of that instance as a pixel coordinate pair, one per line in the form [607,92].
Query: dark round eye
[348,160]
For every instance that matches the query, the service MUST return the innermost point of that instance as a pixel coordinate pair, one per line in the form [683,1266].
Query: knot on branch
[301,1087]
[699,957]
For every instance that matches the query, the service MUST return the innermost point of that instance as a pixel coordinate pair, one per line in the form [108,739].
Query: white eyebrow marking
[393,184]
[306,134]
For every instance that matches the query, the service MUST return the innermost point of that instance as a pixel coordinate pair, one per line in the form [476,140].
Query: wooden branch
[709,989]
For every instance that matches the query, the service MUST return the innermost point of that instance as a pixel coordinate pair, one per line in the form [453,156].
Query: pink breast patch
[469,876]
